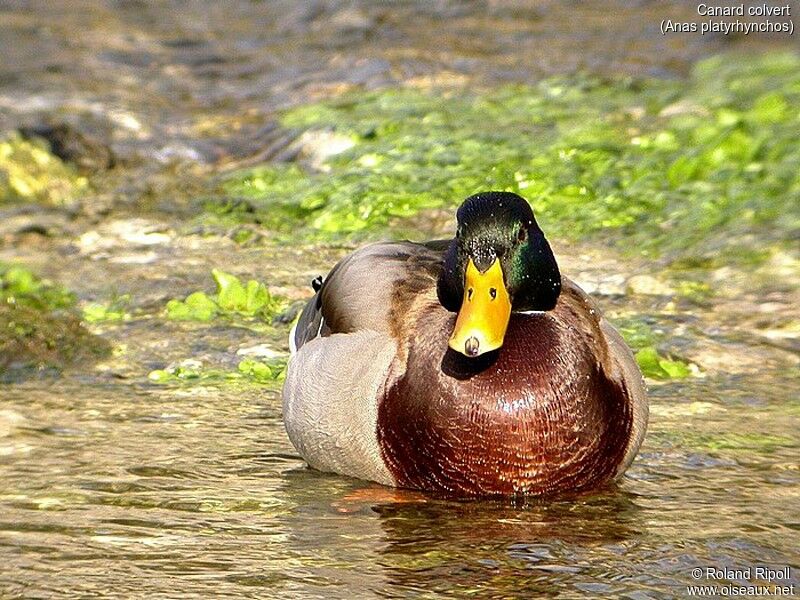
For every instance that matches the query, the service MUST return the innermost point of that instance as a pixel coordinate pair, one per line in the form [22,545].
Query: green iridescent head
[498,263]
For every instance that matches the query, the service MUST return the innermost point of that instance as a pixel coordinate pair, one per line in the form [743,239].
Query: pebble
[648,286]
[260,351]
[604,285]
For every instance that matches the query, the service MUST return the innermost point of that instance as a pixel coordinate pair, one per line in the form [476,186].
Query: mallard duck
[467,366]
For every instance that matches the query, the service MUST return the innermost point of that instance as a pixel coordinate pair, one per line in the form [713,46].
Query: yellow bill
[483,318]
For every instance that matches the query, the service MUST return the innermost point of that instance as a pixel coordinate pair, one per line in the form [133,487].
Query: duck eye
[522,234]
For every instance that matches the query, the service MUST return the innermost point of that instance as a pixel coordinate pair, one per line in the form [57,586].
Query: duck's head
[498,263]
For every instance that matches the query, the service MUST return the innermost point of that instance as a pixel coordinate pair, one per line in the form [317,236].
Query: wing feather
[360,291]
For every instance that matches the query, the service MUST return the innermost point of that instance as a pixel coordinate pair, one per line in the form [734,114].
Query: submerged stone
[36,341]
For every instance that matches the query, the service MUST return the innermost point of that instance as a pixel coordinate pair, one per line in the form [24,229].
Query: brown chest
[538,417]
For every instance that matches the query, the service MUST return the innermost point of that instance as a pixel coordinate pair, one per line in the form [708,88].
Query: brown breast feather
[540,416]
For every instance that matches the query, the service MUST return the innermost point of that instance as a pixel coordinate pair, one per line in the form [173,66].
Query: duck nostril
[471,346]
[493,293]
[469,294]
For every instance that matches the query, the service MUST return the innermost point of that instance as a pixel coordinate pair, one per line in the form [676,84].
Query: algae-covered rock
[19,286]
[40,330]
[36,340]
[29,172]
[192,371]
[80,148]
[685,168]
[655,364]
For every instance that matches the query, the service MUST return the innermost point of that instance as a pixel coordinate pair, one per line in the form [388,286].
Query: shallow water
[117,486]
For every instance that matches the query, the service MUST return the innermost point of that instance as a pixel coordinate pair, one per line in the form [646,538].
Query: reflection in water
[674,514]
[454,547]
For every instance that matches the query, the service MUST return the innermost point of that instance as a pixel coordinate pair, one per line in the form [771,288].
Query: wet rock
[317,146]
[36,341]
[39,221]
[348,25]
[352,19]
[518,10]
[271,143]
[290,314]
[140,258]
[123,234]
[85,150]
[683,107]
[178,152]
[600,283]
[295,17]
[260,351]
[648,285]
[189,368]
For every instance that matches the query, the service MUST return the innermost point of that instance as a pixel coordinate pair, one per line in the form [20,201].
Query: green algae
[29,172]
[40,330]
[645,343]
[233,298]
[197,306]
[257,370]
[763,442]
[693,168]
[247,303]
[637,334]
[656,366]
[698,292]
[115,310]
[195,372]
[21,287]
